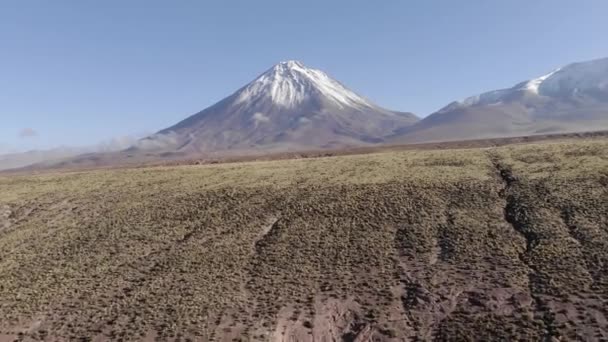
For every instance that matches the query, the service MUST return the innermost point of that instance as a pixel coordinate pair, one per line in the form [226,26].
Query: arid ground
[495,243]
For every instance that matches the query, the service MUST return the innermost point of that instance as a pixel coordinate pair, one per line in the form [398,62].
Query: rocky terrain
[496,243]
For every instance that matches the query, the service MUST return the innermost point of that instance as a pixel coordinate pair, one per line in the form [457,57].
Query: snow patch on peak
[577,77]
[534,85]
[485,98]
[290,83]
[496,97]
[573,79]
[291,64]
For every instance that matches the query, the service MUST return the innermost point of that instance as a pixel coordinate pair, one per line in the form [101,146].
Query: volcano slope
[504,243]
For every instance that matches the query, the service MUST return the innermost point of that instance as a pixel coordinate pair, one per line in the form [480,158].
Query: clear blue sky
[77,72]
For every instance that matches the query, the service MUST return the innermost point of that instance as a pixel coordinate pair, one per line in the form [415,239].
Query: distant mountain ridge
[58,155]
[291,107]
[569,99]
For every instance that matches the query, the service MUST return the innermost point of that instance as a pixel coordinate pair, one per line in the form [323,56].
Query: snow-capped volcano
[289,84]
[287,107]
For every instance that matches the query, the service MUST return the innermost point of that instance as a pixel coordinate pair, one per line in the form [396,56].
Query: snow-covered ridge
[571,79]
[289,83]
[496,96]
[534,84]
[577,77]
